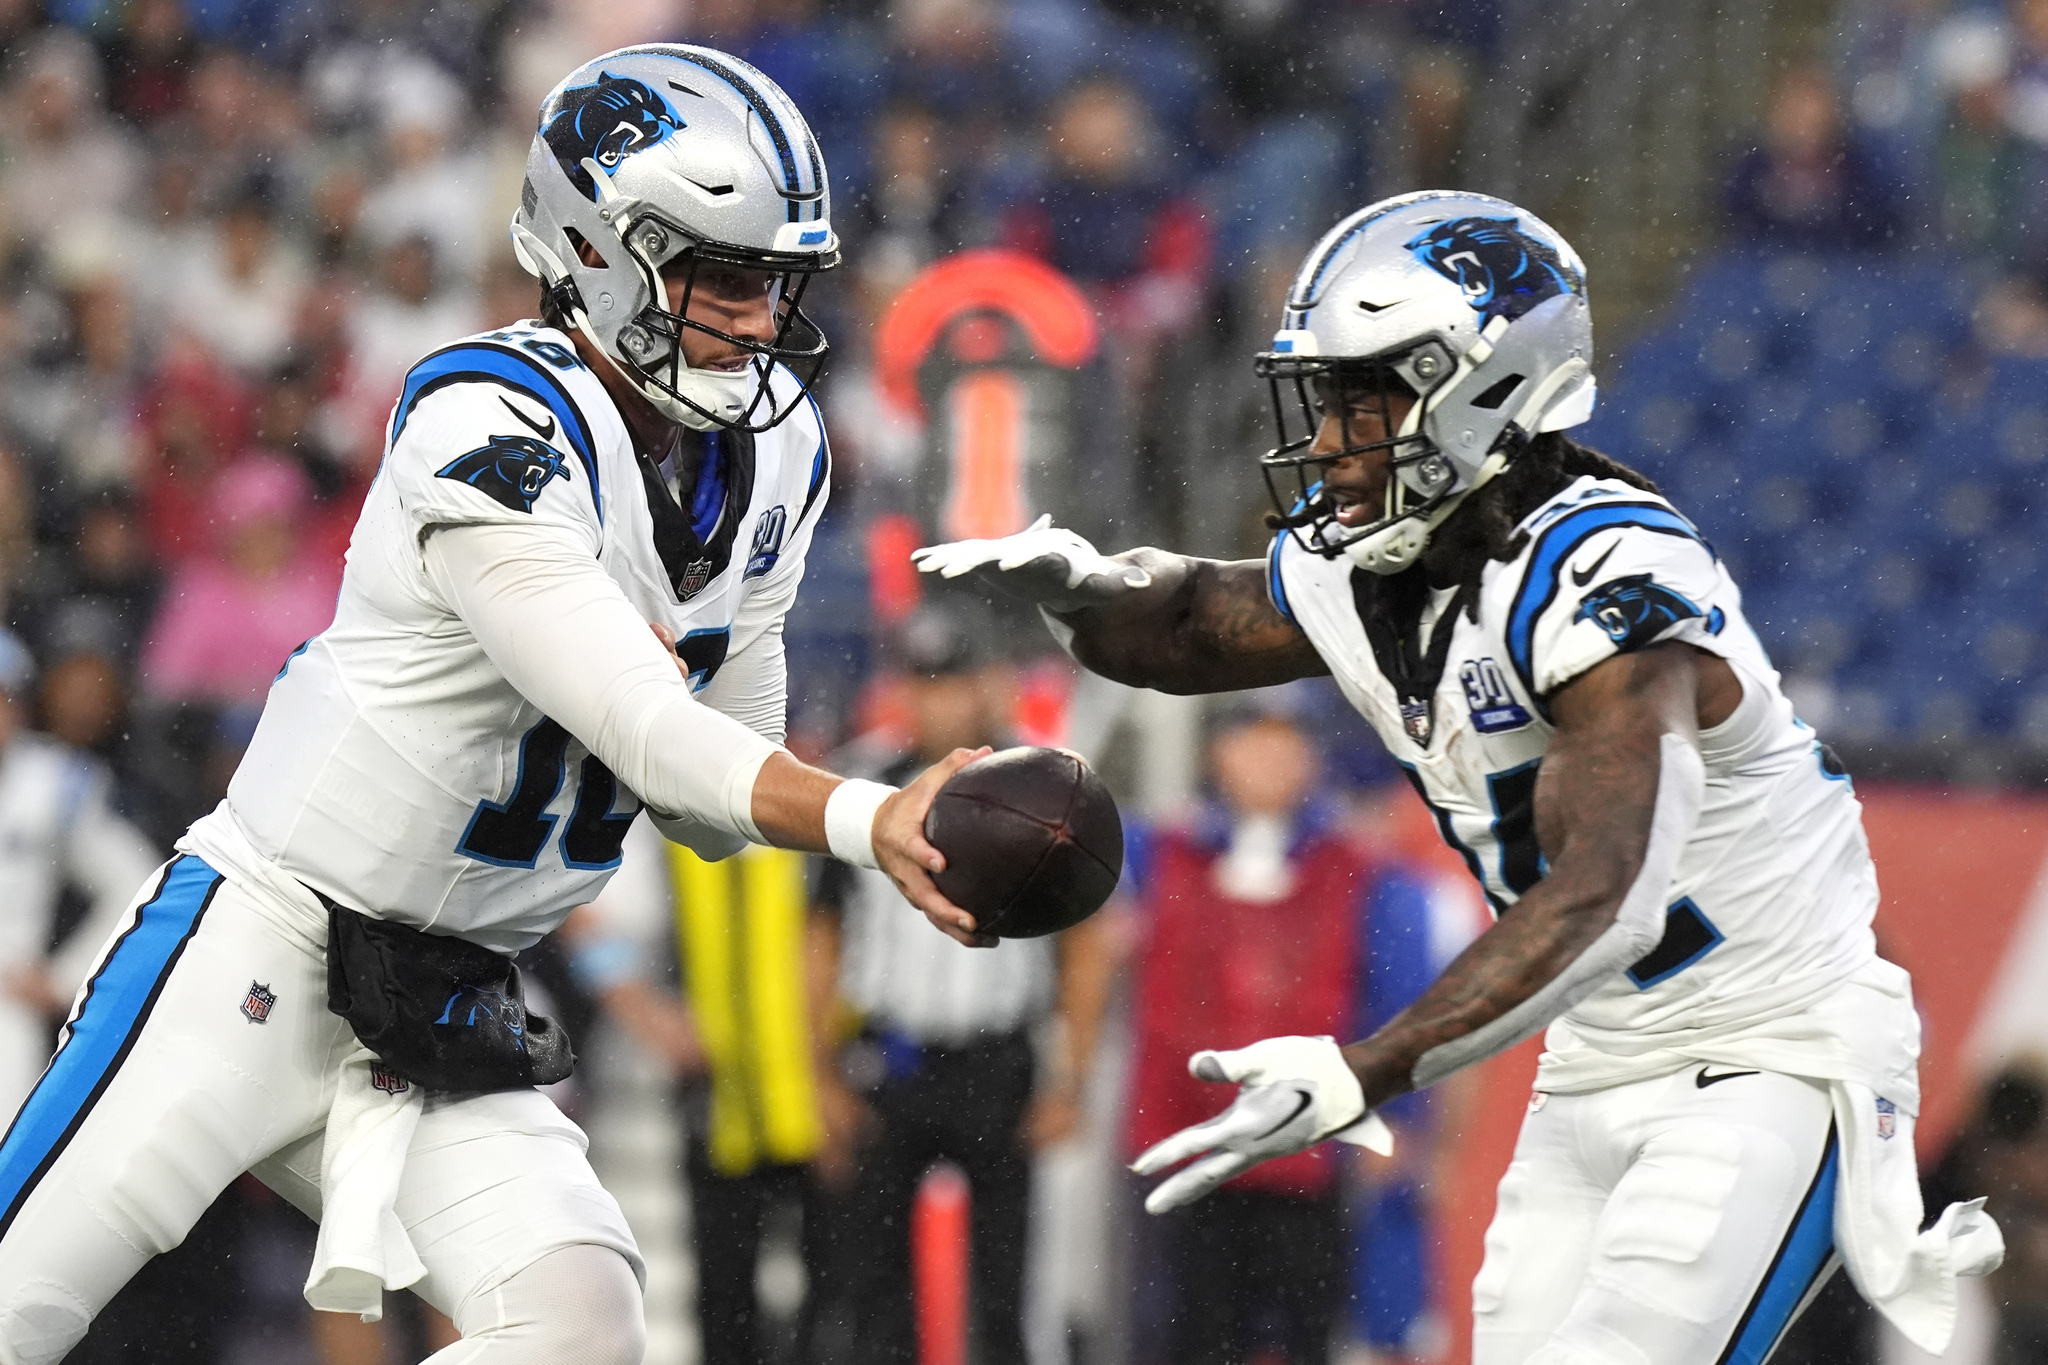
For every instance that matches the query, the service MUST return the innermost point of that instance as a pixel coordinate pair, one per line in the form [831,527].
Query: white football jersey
[395,769]
[1772,900]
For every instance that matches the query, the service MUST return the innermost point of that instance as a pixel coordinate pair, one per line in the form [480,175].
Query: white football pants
[1685,1220]
[166,1088]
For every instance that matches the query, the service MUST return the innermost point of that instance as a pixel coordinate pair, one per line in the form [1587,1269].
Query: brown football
[1032,840]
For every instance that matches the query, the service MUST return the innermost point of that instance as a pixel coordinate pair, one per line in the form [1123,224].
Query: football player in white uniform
[1560,663]
[448,769]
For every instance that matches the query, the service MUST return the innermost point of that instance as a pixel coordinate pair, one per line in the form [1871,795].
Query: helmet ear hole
[1497,394]
[585,252]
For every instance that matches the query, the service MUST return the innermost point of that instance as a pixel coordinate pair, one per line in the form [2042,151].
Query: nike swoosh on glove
[1294,1092]
[1042,563]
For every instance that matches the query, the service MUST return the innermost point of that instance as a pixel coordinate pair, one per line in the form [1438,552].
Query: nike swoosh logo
[1581,577]
[1303,1101]
[546,433]
[1703,1080]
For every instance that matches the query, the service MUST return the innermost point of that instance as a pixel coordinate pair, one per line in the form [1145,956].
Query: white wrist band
[850,820]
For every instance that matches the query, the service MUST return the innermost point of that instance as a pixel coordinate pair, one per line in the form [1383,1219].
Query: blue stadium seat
[1871,481]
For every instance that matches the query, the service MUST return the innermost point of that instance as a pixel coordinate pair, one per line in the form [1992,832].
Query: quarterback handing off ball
[1032,839]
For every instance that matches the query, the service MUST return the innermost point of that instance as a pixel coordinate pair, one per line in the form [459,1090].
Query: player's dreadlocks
[1484,528]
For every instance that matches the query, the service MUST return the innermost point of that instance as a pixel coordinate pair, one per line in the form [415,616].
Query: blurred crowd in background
[228,227]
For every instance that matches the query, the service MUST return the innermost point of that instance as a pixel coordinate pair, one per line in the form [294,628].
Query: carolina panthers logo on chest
[510,470]
[1635,610]
[1503,270]
[605,122]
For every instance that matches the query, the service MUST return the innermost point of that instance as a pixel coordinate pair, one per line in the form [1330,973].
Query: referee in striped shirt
[946,1063]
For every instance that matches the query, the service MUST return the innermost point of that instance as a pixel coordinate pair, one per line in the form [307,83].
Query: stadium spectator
[411,310]
[915,208]
[98,593]
[1261,918]
[433,184]
[949,55]
[58,829]
[243,116]
[228,625]
[1809,185]
[150,61]
[242,295]
[86,394]
[1979,157]
[192,417]
[944,1068]
[169,237]
[67,160]
[1109,217]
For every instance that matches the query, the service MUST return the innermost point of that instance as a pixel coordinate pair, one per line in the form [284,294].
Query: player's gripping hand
[1042,563]
[1294,1092]
[910,860]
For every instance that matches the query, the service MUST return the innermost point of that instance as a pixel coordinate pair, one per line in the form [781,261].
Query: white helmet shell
[1481,308]
[649,152]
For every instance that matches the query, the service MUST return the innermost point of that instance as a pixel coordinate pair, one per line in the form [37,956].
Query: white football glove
[1295,1092]
[1042,563]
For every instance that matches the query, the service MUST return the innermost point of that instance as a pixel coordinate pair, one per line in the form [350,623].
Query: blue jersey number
[1513,794]
[512,832]
[703,654]
[556,354]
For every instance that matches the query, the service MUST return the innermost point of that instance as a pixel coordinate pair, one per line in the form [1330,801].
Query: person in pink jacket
[227,622]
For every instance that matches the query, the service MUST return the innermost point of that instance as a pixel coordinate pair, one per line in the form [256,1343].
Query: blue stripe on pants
[118,1001]
[1800,1259]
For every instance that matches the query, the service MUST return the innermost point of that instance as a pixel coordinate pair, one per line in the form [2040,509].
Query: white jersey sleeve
[478,453]
[564,635]
[1614,579]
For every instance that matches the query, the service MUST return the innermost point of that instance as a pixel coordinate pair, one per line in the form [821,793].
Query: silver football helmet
[1474,306]
[669,158]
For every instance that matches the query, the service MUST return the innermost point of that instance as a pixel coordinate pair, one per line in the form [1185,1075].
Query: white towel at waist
[1909,1275]
[363,1248]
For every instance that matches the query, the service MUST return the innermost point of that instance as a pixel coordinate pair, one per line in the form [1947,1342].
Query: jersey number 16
[512,832]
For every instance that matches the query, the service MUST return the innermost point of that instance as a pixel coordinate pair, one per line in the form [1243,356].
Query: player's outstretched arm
[1617,797]
[801,807]
[1147,618]
[564,635]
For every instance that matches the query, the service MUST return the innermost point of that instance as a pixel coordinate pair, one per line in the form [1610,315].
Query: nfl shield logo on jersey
[695,575]
[256,1004]
[1887,1118]
[1417,721]
[385,1079]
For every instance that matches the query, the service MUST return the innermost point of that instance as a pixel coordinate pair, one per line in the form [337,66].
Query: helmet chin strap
[1398,546]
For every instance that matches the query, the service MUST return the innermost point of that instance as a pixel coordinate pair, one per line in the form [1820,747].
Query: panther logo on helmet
[604,122]
[1503,270]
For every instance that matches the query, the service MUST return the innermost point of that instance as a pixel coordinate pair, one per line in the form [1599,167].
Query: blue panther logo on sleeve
[1503,270]
[511,469]
[1635,611]
[604,122]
